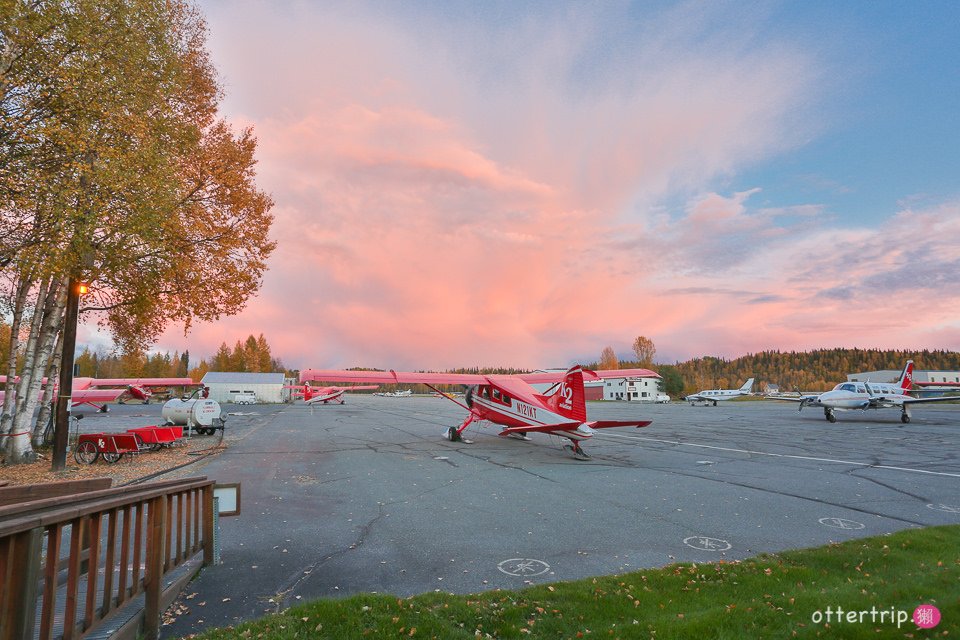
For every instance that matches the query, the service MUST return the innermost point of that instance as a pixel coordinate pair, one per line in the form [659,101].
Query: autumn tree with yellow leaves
[115,168]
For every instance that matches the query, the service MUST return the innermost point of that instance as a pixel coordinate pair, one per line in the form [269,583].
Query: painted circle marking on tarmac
[841,523]
[949,508]
[704,543]
[523,567]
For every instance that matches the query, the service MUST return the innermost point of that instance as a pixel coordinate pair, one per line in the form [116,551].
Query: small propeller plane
[97,392]
[718,395]
[510,401]
[848,396]
[314,395]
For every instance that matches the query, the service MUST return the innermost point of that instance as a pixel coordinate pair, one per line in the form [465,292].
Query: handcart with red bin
[111,446]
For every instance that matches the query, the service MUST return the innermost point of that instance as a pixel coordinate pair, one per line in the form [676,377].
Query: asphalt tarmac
[369,497]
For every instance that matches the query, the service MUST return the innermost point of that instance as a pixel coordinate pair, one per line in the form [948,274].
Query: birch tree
[114,167]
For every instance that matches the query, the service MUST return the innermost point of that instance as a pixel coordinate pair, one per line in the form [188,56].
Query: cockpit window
[848,386]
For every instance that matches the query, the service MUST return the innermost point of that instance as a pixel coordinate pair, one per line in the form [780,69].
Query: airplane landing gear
[576,451]
[453,435]
[829,415]
[904,418]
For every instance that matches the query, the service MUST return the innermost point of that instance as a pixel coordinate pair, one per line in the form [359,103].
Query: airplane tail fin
[747,386]
[569,400]
[906,378]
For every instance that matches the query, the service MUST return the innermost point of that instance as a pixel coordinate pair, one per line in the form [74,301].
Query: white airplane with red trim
[848,396]
[509,400]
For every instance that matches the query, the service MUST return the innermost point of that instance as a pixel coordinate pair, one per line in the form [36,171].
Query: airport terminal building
[225,385]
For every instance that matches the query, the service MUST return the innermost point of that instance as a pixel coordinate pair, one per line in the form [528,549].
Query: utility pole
[61,424]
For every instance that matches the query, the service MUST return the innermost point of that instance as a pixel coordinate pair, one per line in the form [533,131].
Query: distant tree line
[814,370]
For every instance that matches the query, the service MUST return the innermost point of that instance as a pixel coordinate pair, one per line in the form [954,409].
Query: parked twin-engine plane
[718,395]
[848,396]
[509,400]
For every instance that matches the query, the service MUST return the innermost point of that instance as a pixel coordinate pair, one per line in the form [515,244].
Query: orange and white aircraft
[89,391]
[314,395]
[510,401]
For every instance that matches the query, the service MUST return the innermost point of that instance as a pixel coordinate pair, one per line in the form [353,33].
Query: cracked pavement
[369,496]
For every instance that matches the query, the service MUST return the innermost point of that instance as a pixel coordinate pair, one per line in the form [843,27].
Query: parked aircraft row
[848,396]
[512,403]
[509,400]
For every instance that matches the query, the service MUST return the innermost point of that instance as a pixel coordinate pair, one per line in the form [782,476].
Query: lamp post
[61,424]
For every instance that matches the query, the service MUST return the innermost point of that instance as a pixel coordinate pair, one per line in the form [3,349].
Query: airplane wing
[937,399]
[389,377]
[804,399]
[544,428]
[584,429]
[87,396]
[142,382]
[394,377]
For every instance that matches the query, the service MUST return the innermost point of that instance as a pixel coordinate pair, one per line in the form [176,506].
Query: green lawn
[769,596]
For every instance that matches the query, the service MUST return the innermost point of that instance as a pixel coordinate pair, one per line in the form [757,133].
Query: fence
[67,561]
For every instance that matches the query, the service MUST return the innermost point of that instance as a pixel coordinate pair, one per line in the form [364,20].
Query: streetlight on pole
[61,424]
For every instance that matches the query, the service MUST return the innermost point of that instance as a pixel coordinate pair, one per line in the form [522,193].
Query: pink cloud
[455,200]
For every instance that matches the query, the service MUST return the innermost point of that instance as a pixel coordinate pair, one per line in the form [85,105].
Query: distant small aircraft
[510,401]
[315,395]
[848,396]
[718,395]
[406,393]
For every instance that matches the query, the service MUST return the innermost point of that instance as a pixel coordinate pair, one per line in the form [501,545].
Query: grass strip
[768,596]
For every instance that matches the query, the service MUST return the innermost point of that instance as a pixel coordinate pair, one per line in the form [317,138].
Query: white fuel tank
[192,413]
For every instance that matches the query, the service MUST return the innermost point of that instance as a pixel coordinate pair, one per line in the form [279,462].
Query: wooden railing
[66,562]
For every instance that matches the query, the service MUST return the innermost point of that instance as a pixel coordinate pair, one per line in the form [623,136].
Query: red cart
[111,446]
[152,438]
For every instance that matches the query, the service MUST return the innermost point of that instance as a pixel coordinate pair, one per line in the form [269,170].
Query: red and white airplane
[848,396]
[314,395]
[510,401]
[89,391]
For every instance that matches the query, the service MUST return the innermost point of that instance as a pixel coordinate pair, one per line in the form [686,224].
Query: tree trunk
[18,447]
[19,302]
[46,406]
[30,351]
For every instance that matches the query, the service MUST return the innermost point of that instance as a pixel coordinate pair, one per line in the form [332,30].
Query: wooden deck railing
[97,551]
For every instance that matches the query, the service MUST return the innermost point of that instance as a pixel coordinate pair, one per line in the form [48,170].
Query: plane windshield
[846,386]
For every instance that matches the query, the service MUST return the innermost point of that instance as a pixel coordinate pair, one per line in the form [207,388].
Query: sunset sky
[524,183]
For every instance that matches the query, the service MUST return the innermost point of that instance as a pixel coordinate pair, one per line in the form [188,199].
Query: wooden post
[208,525]
[156,526]
[24,576]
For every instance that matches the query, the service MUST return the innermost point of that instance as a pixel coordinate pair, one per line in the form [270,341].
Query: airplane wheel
[576,452]
[831,418]
[86,453]
[904,418]
[452,434]
[110,458]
